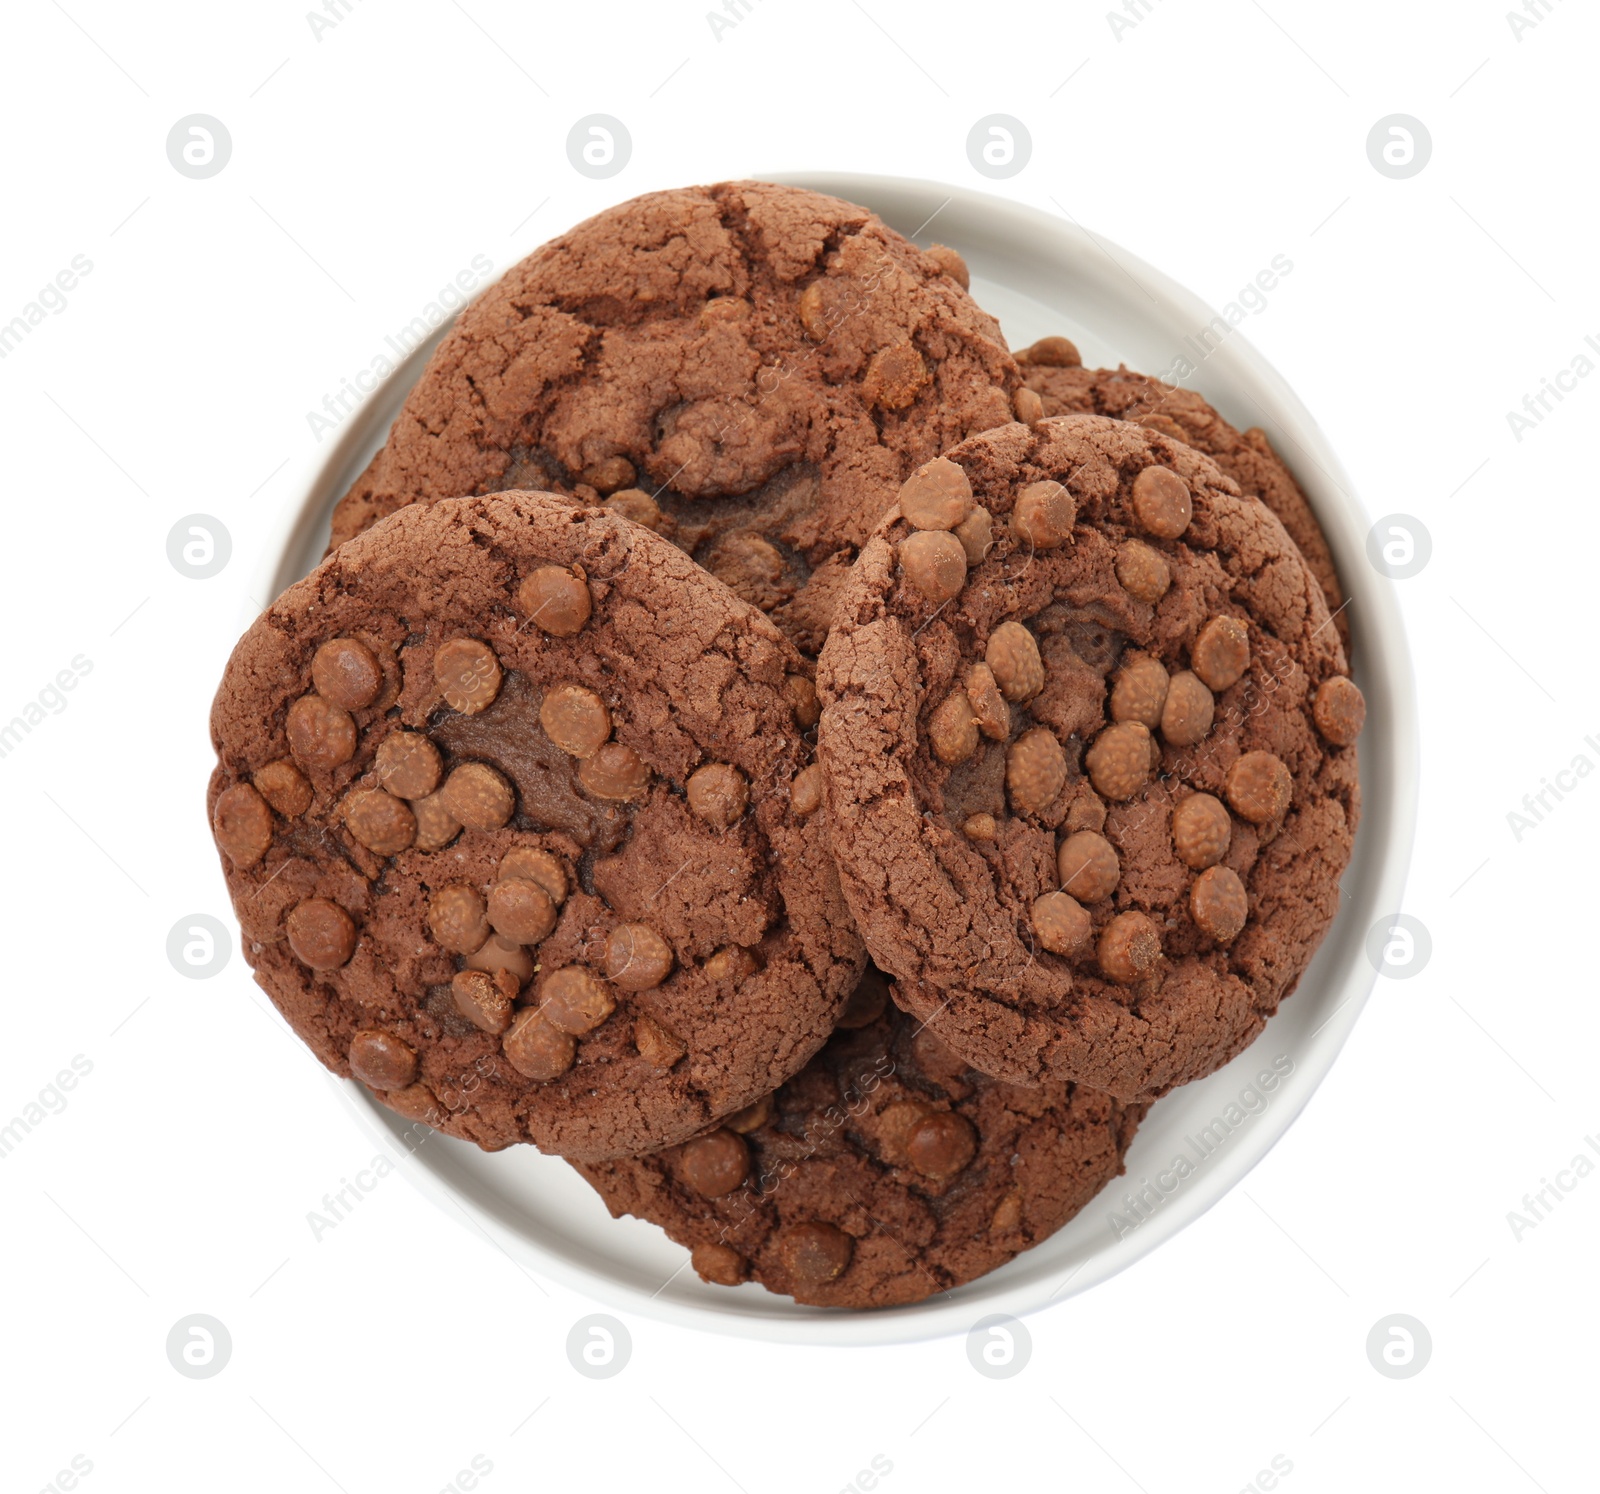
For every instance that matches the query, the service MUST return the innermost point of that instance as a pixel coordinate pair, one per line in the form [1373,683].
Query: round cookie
[1052,369]
[509,801]
[886,1171]
[1090,795]
[750,369]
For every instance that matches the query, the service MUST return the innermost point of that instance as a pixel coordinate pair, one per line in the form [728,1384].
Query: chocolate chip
[896,1122]
[942,1144]
[1036,770]
[980,827]
[284,787]
[988,704]
[953,729]
[556,601]
[816,308]
[751,1118]
[1143,572]
[638,505]
[731,963]
[615,772]
[813,1253]
[1051,352]
[802,696]
[895,376]
[724,309]
[535,1049]
[498,954]
[1139,692]
[542,868]
[1187,715]
[934,562]
[344,672]
[1129,949]
[949,263]
[436,826]
[416,1102]
[805,794]
[719,1264]
[976,533]
[321,934]
[637,958]
[1258,787]
[867,1001]
[1088,866]
[381,1061]
[1007,1216]
[482,1000]
[520,910]
[608,474]
[1221,653]
[1201,831]
[575,719]
[1161,502]
[1340,710]
[1027,406]
[573,1001]
[658,1046]
[1119,760]
[242,824]
[936,496]
[1013,658]
[468,675]
[1061,923]
[408,764]
[714,1165]
[477,796]
[1218,904]
[1044,514]
[321,734]
[719,794]
[382,823]
[457,918]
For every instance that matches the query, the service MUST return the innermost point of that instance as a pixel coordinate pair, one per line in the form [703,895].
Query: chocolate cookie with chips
[886,1171]
[1087,742]
[749,369]
[516,814]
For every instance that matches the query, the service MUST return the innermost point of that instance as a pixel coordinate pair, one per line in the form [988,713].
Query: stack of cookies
[729,605]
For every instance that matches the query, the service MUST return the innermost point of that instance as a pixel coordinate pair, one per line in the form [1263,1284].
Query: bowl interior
[1039,275]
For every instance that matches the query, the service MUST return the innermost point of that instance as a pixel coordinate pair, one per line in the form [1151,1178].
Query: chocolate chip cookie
[886,1171]
[749,369]
[515,809]
[1087,741]
[1052,369]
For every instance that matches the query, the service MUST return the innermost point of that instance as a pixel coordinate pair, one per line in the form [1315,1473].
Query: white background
[368,167]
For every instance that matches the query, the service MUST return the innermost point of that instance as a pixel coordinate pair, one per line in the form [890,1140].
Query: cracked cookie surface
[1087,745]
[750,369]
[506,800]
[1051,368]
[885,1172]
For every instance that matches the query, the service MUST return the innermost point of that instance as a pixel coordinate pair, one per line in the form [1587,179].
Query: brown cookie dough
[1051,368]
[886,1171]
[454,800]
[749,369]
[1083,802]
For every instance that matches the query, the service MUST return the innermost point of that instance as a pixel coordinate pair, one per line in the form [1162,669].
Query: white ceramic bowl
[1038,274]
